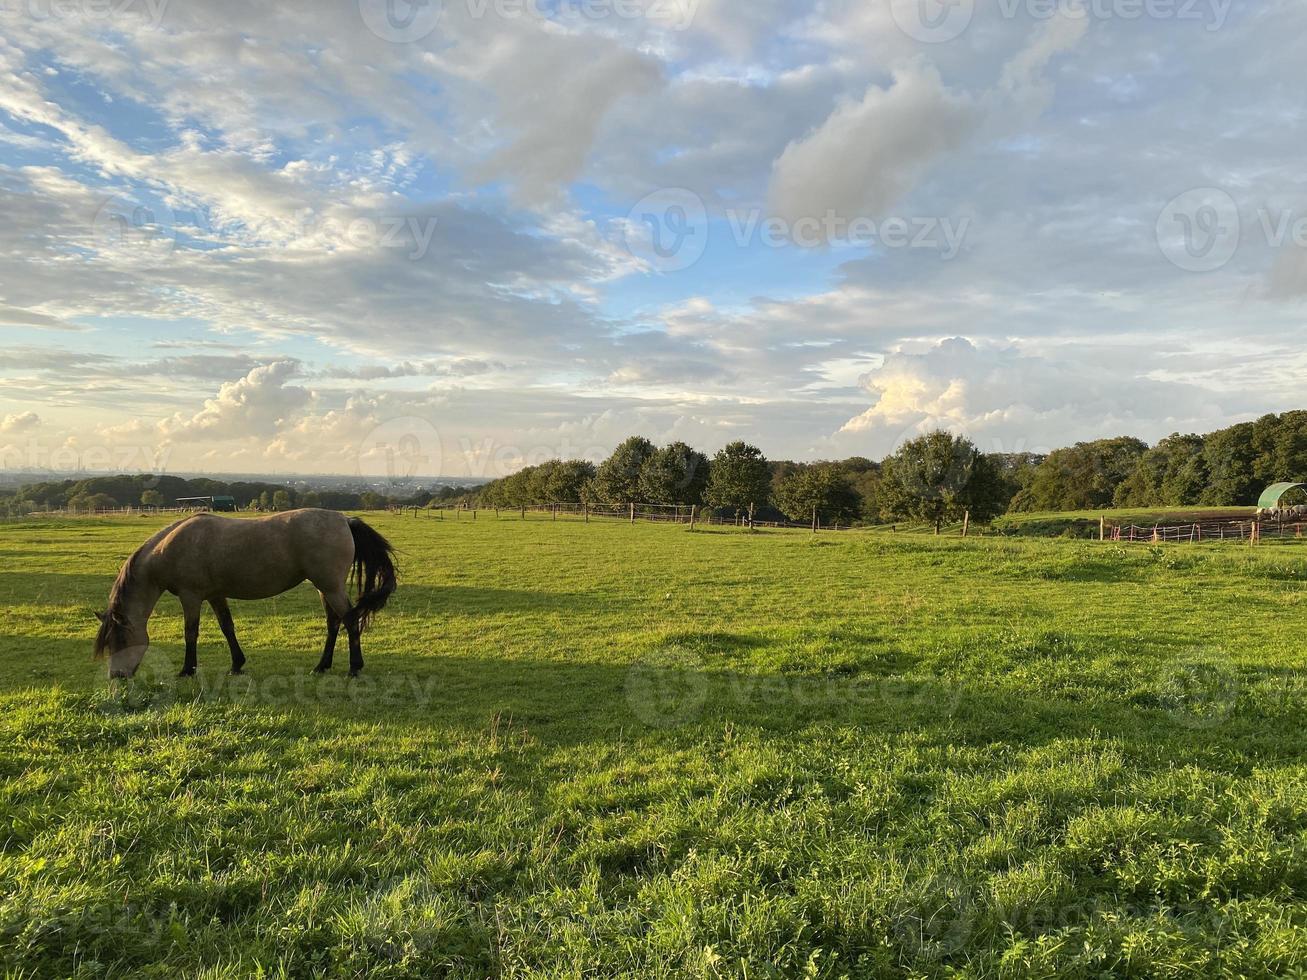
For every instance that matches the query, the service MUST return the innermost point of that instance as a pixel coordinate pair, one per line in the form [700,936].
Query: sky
[456,238]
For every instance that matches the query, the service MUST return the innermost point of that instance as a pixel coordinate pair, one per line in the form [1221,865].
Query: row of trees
[1226,467]
[934,478]
[150,490]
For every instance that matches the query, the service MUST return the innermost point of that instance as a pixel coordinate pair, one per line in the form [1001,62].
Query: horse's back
[245,558]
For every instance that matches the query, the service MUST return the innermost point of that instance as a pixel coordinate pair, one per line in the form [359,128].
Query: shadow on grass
[676,693]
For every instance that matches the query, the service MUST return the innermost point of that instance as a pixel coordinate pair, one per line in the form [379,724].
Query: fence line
[1252,530]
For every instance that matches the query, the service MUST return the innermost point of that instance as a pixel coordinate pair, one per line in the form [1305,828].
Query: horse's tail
[374,571]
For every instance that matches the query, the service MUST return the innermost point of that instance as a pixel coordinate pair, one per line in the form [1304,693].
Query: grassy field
[609,750]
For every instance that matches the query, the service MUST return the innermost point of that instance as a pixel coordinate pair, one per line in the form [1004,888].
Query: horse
[206,558]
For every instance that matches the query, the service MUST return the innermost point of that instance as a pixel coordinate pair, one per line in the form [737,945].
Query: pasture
[614,750]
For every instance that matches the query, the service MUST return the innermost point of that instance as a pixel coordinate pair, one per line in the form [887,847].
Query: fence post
[555,512]
[693,508]
[1102,528]
[966,519]
[632,512]
[586,507]
[814,518]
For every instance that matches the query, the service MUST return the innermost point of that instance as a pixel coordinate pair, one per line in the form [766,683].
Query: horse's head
[124,642]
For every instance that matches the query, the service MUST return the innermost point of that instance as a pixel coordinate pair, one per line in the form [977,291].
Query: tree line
[150,490]
[934,478]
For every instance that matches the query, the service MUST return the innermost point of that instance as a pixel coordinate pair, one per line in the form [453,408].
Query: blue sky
[248,237]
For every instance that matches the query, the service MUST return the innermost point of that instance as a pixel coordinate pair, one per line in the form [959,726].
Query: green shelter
[1270,498]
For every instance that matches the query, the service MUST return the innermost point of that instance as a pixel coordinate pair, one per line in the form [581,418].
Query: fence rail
[1251,530]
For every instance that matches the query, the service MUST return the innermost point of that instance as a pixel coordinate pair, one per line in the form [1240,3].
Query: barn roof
[1271,495]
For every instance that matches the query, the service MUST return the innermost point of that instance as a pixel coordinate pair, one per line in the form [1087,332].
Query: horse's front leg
[222,612]
[191,617]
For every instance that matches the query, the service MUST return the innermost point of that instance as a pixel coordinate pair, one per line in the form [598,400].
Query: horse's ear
[99,615]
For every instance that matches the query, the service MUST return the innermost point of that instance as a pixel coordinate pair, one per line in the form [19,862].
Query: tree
[151,498]
[824,487]
[371,500]
[938,477]
[738,478]
[568,481]
[1084,476]
[617,481]
[1172,473]
[91,502]
[675,474]
[281,500]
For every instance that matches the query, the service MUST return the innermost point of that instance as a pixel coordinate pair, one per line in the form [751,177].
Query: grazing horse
[210,558]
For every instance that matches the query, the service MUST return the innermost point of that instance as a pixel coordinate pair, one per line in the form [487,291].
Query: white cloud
[254,406]
[20,422]
[868,154]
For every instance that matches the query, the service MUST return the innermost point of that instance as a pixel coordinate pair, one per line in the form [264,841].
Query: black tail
[373,576]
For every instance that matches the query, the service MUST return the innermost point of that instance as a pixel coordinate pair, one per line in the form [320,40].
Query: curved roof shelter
[1270,497]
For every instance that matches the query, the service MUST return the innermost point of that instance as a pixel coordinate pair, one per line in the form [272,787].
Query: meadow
[613,750]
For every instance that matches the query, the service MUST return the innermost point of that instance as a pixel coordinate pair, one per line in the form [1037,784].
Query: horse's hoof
[321,670]
[353,673]
[186,673]
[235,671]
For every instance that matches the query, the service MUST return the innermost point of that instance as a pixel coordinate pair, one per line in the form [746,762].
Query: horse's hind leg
[191,618]
[333,630]
[223,613]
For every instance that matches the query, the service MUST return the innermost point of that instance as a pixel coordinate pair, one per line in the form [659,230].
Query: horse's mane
[113,624]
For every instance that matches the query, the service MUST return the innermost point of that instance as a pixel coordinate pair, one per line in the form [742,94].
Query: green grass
[610,750]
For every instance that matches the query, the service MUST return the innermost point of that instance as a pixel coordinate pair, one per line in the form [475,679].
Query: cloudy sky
[291,237]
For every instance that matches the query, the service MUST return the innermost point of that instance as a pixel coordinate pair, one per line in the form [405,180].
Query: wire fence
[1237,530]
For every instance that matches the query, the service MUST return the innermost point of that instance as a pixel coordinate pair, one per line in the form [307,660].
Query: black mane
[114,624]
